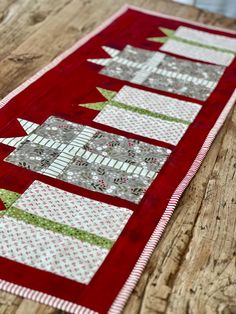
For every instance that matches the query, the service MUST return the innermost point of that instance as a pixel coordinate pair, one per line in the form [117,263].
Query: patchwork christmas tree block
[151,115]
[161,71]
[88,157]
[59,232]
[199,45]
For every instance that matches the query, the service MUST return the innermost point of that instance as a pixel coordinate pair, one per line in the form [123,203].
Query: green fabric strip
[167,31]
[58,228]
[8,197]
[170,35]
[108,94]
[194,43]
[100,106]
[148,113]
[95,106]
[161,40]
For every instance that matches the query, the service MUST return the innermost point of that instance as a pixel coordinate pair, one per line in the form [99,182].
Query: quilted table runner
[96,150]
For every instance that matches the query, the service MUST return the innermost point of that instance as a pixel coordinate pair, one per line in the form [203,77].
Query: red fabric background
[59,92]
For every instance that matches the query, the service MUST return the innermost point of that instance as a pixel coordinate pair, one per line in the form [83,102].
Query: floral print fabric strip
[33,156]
[90,158]
[160,71]
[59,130]
[127,150]
[105,179]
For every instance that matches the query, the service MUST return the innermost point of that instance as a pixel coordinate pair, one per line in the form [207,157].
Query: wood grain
[193,268]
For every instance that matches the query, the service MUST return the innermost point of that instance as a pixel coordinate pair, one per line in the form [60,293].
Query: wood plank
[9,303]
[192,270]
[19,19]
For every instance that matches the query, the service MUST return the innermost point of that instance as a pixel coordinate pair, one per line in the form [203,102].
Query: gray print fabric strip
[90,158]
[160,71]
[107,180]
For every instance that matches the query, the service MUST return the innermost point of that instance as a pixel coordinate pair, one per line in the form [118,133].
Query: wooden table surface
[193,269]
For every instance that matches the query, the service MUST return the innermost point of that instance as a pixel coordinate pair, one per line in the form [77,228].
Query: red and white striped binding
[44,298]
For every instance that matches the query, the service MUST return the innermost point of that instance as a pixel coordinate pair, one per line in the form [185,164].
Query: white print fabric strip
[202,53]
[28,126]
[154,102]
[74,210]
[197,53]
[147,67]
[202,37]
[16,141]
[49,251]
[133,122]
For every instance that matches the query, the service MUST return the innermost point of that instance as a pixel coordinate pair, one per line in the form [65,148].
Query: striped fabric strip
[28,126]
[84,137]
[12,141]
[147,69]
[44,298]
[65,158]
[185,77]
[59,164]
